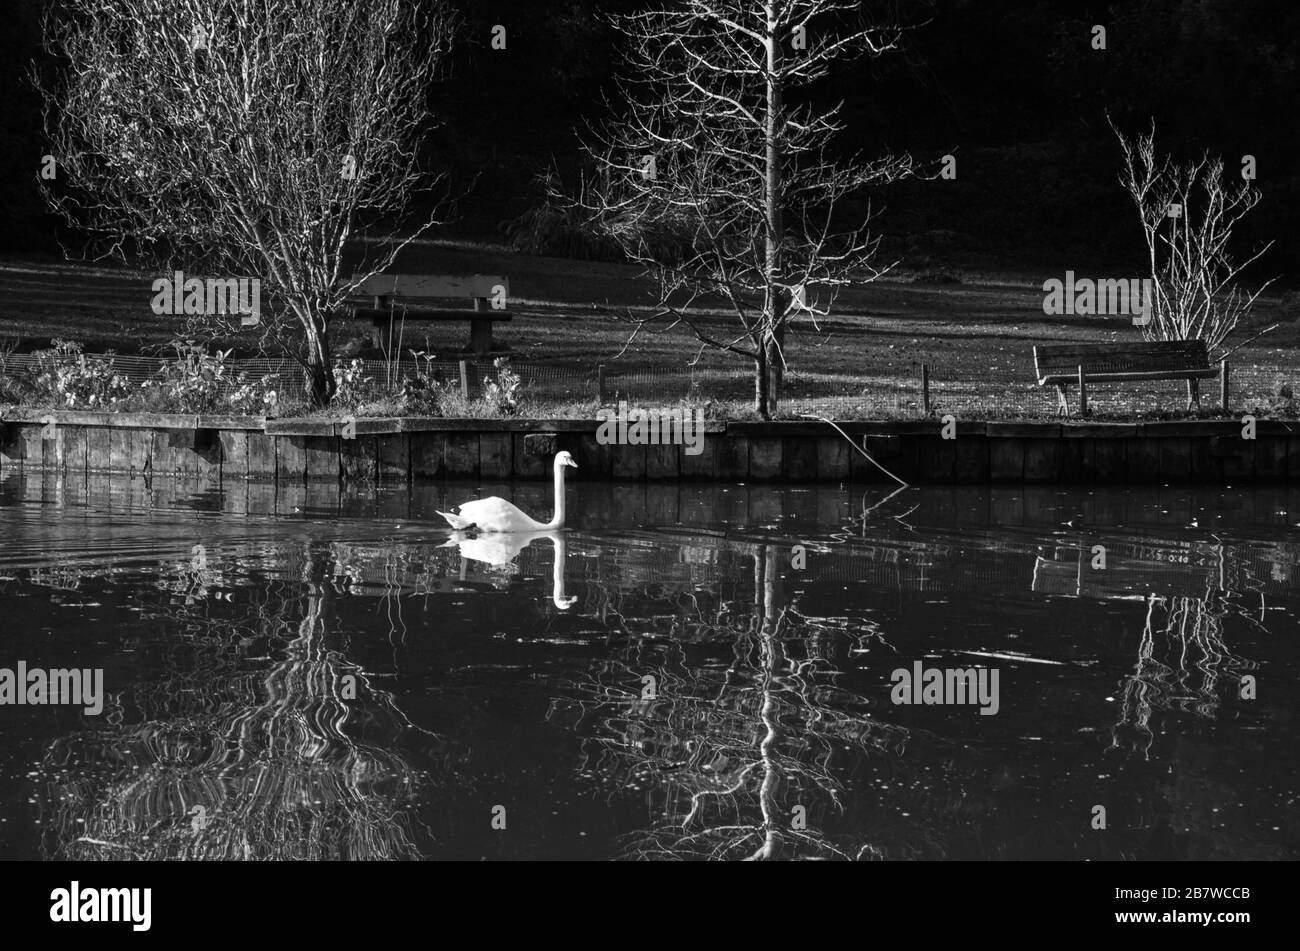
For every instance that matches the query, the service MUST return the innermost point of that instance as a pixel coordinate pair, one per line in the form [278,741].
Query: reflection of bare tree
[741,761]
[263,741]
[1181,660]
[1190,589]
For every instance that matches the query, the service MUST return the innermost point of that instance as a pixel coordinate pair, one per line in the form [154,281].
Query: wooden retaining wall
[401,451]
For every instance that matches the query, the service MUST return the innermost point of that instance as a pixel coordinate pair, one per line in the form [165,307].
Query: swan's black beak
[571,464]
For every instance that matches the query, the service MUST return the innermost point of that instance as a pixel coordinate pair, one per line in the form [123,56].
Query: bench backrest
[1137,357]
[433,286]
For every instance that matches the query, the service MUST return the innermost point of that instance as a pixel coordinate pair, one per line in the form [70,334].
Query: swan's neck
[558,595]
[558,520]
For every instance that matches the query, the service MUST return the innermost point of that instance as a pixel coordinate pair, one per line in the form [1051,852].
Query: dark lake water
[668,678]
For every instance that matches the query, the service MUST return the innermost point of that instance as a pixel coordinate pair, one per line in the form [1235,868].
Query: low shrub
[426,393]
[66,378]
[1283,402]
[502,390]
[352,386]
[12,389]
[197,381]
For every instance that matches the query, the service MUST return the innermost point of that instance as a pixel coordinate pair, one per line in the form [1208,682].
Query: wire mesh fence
[902,389]
[1011,390]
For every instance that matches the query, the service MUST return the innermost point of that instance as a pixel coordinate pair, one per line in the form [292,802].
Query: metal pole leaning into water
[857,447]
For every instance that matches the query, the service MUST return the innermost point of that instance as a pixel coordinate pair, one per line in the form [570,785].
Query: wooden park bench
[1082,364]
[398,299]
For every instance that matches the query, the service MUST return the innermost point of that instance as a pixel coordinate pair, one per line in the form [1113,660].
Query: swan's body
[492,515]
[498,515]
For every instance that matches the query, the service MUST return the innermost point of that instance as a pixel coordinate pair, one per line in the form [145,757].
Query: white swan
[498,515]
[500,550]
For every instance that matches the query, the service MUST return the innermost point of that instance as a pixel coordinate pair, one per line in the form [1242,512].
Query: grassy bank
[976,337]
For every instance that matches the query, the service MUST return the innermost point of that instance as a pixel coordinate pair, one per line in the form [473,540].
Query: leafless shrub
[1194,274]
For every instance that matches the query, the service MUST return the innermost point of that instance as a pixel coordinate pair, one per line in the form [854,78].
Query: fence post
[1083,392]
[1223,385]
[600,383]
[464,381]
[925,389]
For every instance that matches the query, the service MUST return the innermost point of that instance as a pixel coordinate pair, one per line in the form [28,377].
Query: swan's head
[564,459]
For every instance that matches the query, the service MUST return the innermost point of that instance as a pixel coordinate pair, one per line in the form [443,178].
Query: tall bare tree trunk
[320,385]
[775,226]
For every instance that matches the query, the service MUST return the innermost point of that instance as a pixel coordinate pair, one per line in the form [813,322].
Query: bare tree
[1188,213]
[247,137]
[724,151]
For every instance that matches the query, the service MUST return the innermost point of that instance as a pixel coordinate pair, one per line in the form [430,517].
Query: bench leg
[1194,395]
[480,336]
[1062,402]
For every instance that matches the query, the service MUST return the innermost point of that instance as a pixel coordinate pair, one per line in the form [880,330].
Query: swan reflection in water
[501,548]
